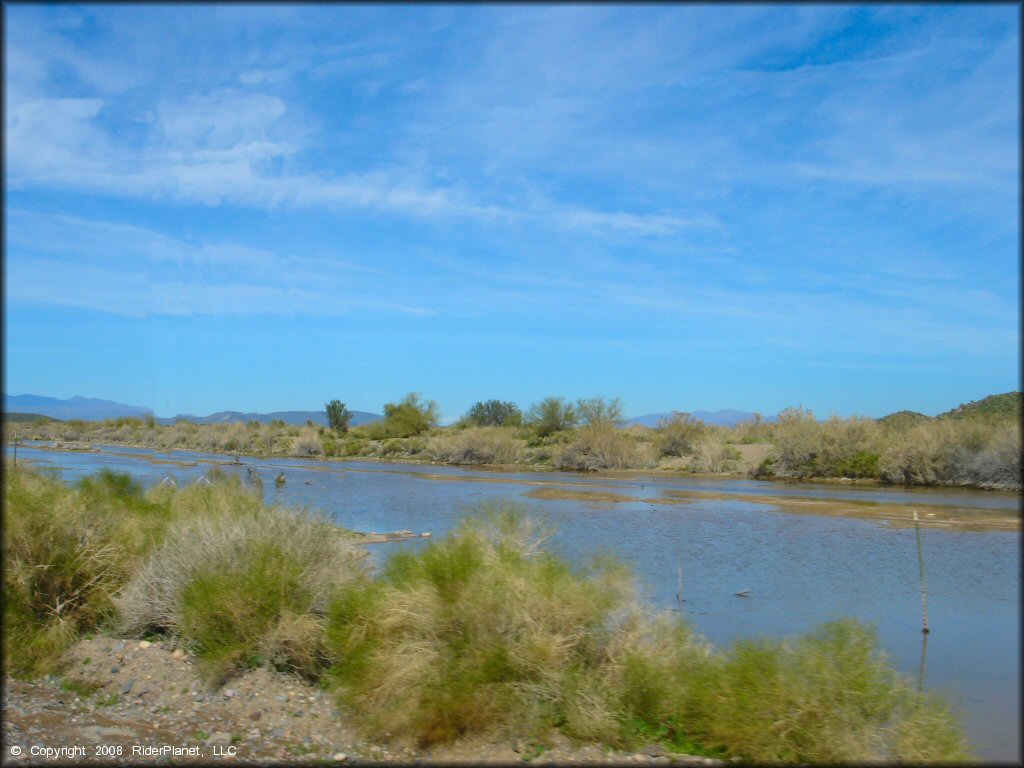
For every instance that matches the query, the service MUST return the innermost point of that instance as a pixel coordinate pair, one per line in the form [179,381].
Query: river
[800,569]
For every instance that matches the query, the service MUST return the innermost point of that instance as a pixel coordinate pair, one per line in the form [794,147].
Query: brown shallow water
[897,515]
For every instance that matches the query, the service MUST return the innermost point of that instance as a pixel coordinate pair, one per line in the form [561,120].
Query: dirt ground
[131,701]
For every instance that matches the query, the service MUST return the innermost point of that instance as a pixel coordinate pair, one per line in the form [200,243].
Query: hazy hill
[903,419]
[726,417]
[27,417]
[1004,406]
[17,407]
[86,408]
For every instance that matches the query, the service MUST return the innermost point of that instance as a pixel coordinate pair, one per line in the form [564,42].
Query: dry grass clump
[66,553]
[308,444]
[602,445]
[973,452]
[484,631]
[827,697]
[477,445]
[710,454]
[242,582]
[480,632]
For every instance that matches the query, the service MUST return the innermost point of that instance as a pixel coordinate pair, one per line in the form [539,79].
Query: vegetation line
[978,445]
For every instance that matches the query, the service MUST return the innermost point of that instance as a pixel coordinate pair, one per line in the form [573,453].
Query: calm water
[801,570]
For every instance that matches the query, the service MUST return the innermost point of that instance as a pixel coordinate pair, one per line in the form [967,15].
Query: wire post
[679,586]
[920,567]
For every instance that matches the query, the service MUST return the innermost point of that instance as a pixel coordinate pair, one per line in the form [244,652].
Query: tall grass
[486,632]
[66,553]
[241,582]
[481,632]
[477,445]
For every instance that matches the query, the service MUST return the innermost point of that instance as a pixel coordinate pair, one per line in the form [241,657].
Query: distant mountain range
[92,409]
[725,418]
[86,408]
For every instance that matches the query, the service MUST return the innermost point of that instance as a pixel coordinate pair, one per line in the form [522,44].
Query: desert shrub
[678,435]
[493,413]
[756,430]
[486,632]
[230,581]
[482,631]
[66,553]
[308,444]
[802,447]
[596,410]
[409,417]
[968,451]
[709,454]
[828,696]
[477,445]
[550,415]
[603,446]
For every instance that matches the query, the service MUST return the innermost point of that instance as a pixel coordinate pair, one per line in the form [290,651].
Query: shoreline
[115,694]
[895,514]
[665,471]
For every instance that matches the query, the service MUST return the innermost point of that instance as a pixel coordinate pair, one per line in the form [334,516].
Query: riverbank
[117,694]
[552,484]
[423,656]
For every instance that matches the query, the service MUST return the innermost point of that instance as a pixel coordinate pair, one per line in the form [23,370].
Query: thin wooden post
[679,587]
[924,656]
[920,567]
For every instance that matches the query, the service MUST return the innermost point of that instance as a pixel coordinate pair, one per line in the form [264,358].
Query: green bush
[241,582]
[551,415]
[409,417]
[828,696]
[485,632]
[67,551]
[482,631]
[227,613]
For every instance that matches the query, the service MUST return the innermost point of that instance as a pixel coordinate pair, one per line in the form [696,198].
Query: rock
[115,669]
[144,644]
[178,654]
[120,647]
[219,739]
[340,757]
[280,753]
[127,687]
[256,715]
[653,750]
[282,698]
[426,534]
[230,693]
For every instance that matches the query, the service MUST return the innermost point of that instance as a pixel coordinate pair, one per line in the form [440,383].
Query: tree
[410,416]
[596,411]
[551,415]
[338,416]
[494,413]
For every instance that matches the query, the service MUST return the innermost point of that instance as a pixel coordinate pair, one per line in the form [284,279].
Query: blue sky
[689,207]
